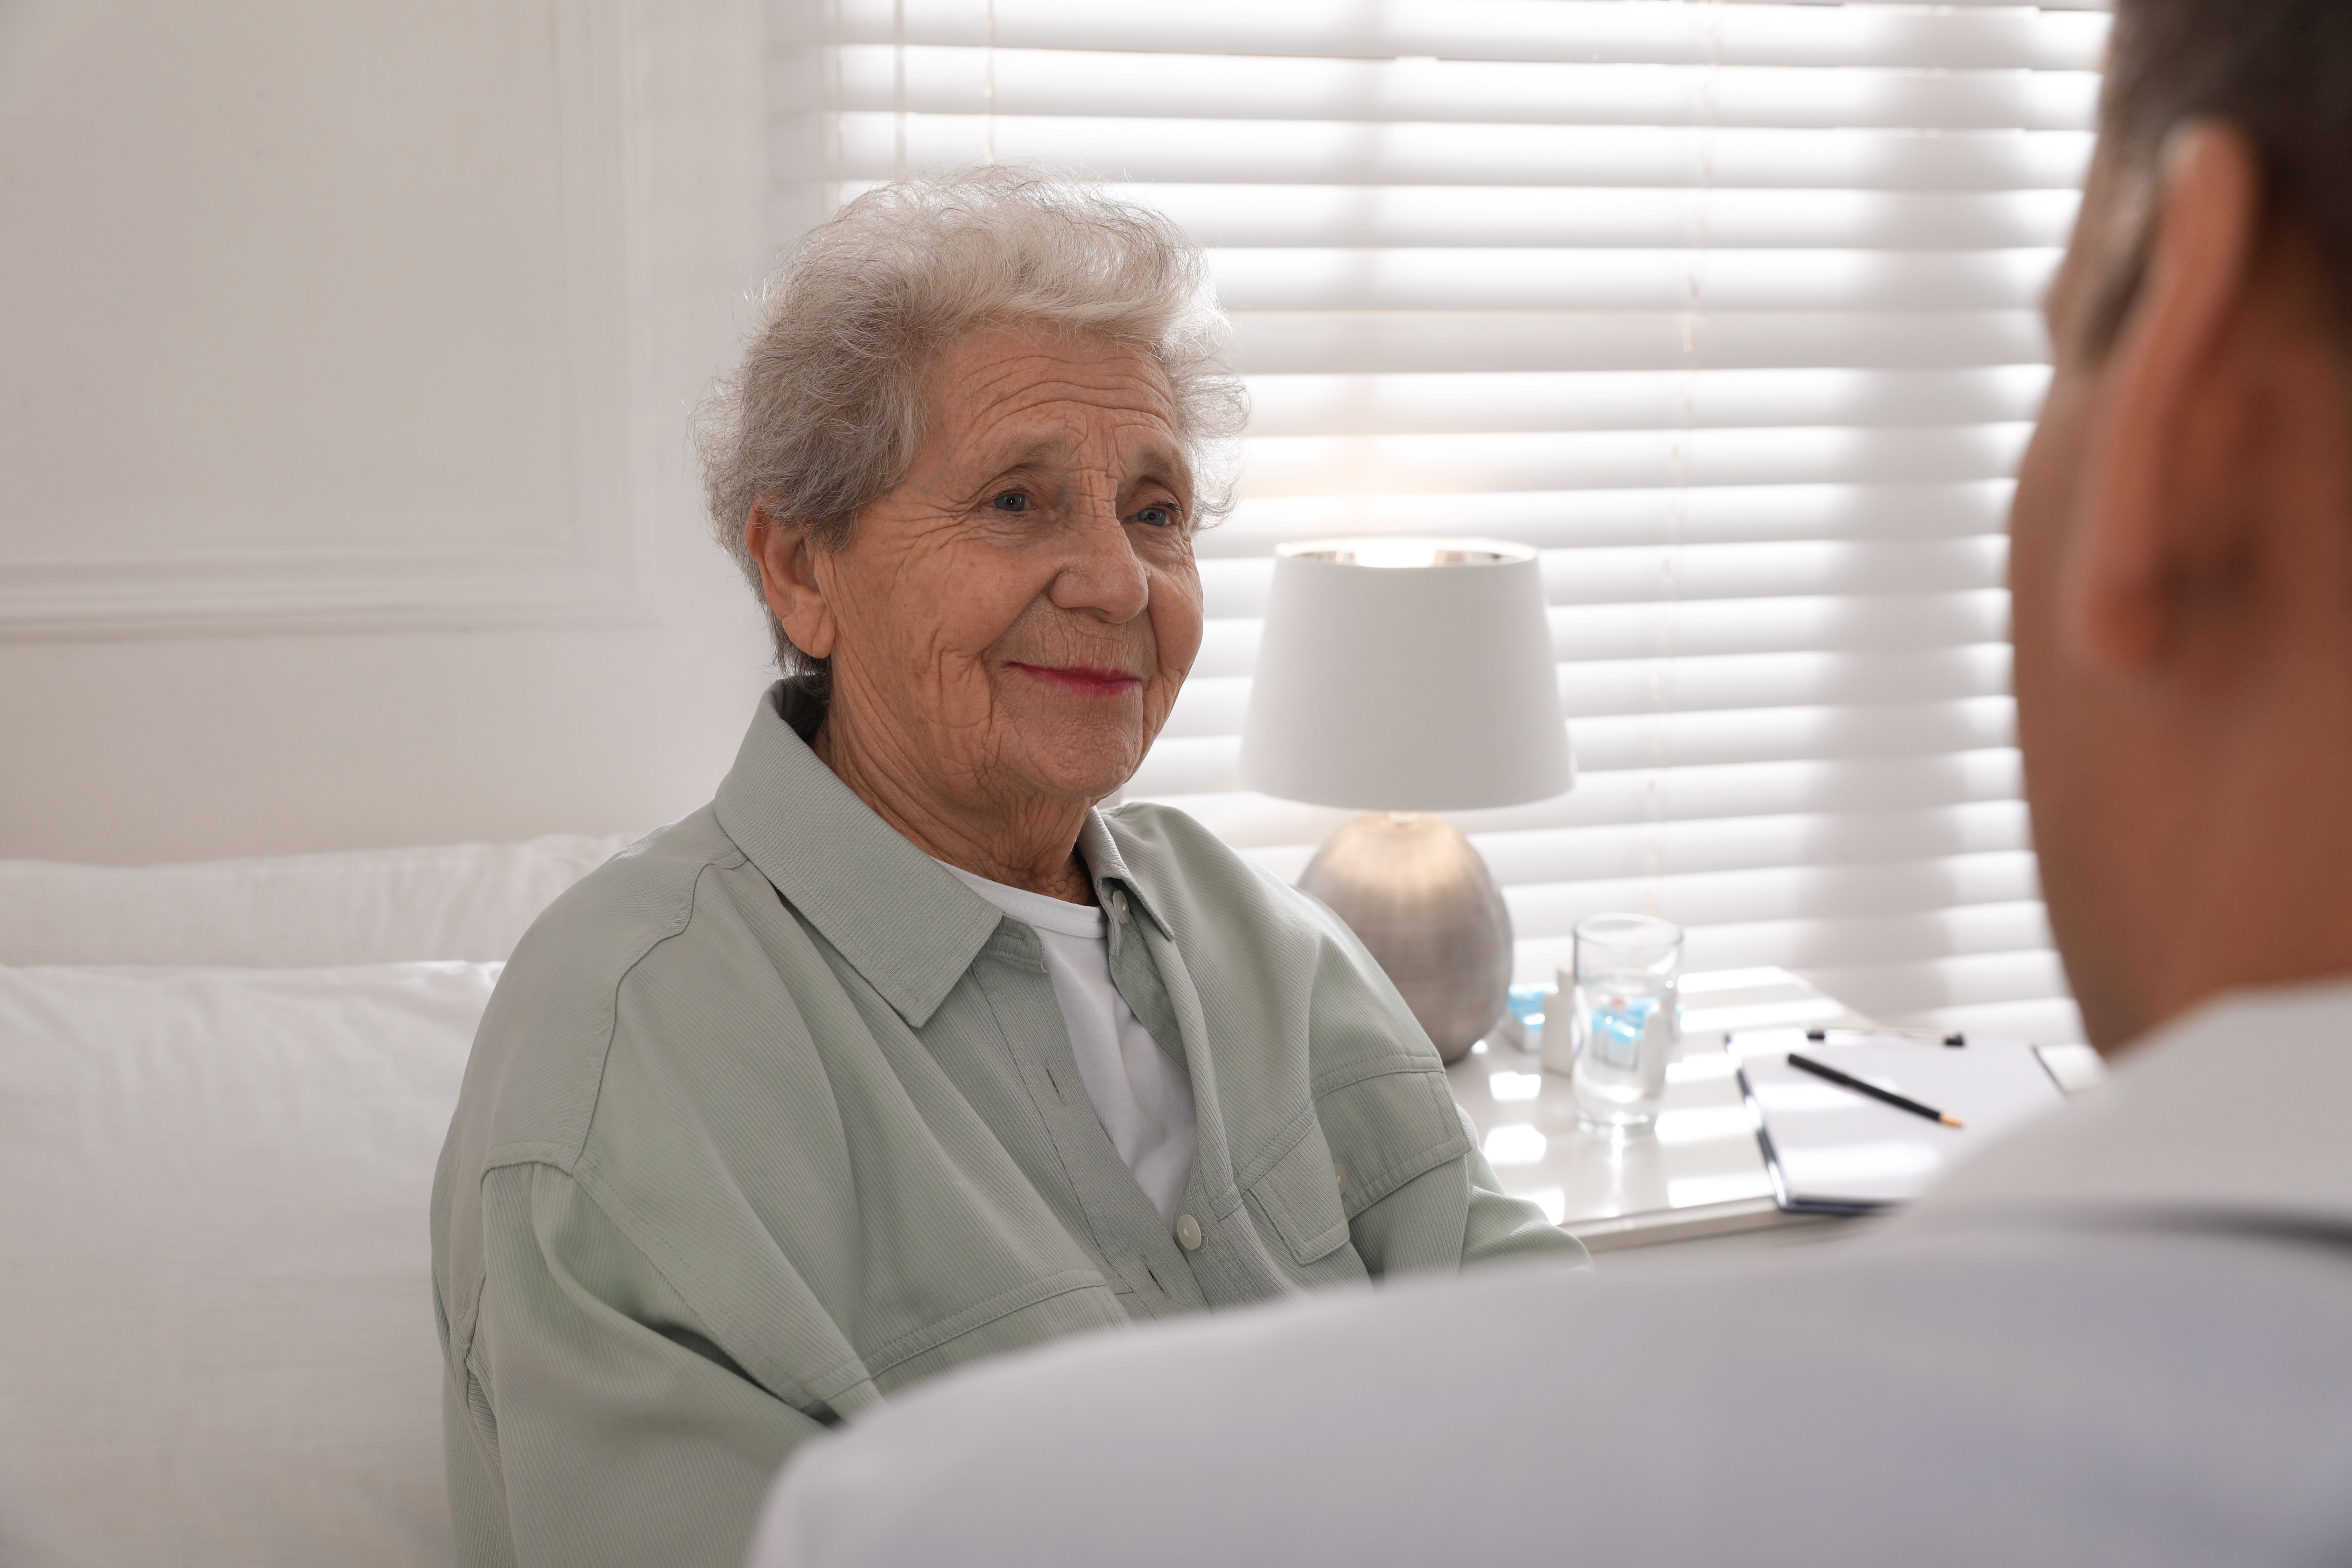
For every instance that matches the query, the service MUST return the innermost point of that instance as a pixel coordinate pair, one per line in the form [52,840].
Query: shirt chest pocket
[1295,1201]
[1365,1137]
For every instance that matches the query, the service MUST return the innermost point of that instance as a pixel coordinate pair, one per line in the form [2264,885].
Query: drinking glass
[1623,1021]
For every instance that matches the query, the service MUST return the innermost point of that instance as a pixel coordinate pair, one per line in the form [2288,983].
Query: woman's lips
[1080,678]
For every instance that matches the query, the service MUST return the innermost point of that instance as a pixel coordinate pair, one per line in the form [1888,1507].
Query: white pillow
[217,1342]
[469,902]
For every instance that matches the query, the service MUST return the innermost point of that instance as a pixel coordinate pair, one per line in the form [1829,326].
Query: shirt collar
[1099,846]
[899,920]
[907,926]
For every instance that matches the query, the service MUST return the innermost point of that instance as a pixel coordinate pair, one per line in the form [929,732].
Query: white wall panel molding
[235,593]
[541,525]
[346,360]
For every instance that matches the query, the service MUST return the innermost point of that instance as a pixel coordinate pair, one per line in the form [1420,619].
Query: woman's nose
[1101,572]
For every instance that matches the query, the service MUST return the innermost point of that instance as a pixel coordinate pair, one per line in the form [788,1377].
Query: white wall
[346,356]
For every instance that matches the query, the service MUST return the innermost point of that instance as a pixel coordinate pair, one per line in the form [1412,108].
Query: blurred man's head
[2182,537]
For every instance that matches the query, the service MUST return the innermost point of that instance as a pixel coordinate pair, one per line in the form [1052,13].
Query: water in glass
[1624,1024]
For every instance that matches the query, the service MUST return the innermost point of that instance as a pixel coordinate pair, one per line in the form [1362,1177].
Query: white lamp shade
[1406,674]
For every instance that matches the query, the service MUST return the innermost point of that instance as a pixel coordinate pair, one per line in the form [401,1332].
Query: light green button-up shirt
[772,1116]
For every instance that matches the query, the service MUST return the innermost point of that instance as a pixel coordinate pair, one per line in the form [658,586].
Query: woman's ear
[2163,502]
[792,578]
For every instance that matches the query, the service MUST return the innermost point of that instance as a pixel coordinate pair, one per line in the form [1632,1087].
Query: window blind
[1728,307]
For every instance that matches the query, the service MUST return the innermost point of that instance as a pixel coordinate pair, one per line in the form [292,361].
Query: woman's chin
[1082,767]
[1071,747]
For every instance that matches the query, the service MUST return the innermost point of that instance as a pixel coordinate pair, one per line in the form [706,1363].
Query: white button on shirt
[1142,1096]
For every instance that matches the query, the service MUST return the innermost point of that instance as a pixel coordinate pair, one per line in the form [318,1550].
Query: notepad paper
[1832,1151]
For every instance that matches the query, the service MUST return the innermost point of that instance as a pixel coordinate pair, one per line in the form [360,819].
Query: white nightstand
[1700,1173]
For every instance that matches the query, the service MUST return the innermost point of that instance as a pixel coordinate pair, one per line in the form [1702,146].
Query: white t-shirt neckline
[1142,1097]
[1040,909]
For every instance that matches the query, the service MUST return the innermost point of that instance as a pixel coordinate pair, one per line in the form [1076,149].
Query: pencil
[1823,1069]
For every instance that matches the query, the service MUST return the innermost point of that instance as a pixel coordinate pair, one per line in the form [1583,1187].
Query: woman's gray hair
[826,410]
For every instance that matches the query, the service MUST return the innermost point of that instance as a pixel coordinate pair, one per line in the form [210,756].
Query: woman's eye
[1011,501]
[1157,516]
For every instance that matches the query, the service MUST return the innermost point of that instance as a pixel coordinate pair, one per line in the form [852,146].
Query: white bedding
[216,1341]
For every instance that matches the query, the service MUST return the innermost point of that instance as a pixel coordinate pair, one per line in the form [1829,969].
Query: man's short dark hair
[2279,70]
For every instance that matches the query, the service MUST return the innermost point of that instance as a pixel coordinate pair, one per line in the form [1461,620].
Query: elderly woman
[901,1053]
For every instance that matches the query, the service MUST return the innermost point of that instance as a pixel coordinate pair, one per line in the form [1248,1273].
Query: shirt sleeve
[592,1421]
[1452,1213]
[1498,1226]
[1457,1216]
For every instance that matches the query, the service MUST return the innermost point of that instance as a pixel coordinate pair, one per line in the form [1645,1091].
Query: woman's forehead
[1005,400]
[1000,372]
[1137,450]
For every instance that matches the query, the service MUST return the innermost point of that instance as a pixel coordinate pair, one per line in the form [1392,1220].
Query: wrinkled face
[1014,621]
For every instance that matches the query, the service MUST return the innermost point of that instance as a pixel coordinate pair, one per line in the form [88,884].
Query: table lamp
[1402,677]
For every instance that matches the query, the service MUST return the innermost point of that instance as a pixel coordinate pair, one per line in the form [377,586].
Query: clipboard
[1832,1152]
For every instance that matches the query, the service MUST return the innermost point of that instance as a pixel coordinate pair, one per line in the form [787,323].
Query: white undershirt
[1143,1098]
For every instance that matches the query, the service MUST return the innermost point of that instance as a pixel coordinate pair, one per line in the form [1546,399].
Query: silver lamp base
[1411,885]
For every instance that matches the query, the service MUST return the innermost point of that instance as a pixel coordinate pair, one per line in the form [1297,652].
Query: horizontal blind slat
[2001,36]
[1259,821]
[1638,629]
[1232,553]
[1616,460]
[1740,595]
[1180,766]
[1743,792]
[1552,215]
[1330,341]
[1058,83]
[1809,915]
[1847,568]
[1830,840]
[1283,152]
[1236,589]
[1627,278]
[1503,401]
[1921,959]
[1633,575]
[1702,683]
[1610,853]
[1749,868]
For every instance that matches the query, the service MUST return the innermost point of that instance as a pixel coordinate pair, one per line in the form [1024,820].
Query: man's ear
[2158,472]
[793,581]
